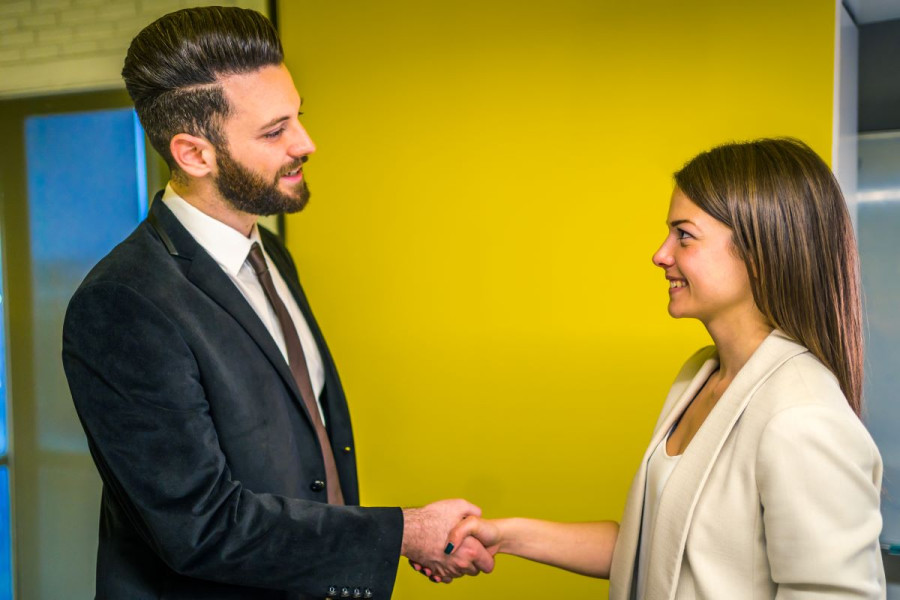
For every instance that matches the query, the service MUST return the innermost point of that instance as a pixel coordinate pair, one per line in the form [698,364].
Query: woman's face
[707,280]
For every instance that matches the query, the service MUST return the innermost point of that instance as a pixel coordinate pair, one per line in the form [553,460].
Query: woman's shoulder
[802,393]
[802,380]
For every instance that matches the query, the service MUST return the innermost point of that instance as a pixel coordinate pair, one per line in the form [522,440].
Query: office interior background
[490,182]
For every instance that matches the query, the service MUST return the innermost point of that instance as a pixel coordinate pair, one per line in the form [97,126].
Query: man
[211,404]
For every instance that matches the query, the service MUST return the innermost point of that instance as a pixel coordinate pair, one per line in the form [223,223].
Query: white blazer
[776,496]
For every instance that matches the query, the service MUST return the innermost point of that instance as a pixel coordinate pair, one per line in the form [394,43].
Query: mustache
[294,165]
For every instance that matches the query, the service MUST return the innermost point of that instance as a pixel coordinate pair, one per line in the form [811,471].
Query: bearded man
[211,404]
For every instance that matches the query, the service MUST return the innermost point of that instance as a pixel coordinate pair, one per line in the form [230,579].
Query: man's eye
[273,134]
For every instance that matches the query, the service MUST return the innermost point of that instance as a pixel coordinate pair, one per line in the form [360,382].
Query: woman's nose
[663,256]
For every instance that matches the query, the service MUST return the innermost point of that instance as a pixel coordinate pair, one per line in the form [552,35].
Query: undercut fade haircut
[793,231]
[174,67]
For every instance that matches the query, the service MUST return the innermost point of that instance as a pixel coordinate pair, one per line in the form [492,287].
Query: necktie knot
[257,260]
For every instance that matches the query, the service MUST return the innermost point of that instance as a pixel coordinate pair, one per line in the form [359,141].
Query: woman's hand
[484,530]
[470,527]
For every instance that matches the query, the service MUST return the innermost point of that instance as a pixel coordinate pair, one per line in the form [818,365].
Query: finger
[465,528]
[483,560]
[460,566]
[472,557]
[415,565]
[463,560]
[472,510]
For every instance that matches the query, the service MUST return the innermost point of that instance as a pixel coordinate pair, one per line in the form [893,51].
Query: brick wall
[51,46]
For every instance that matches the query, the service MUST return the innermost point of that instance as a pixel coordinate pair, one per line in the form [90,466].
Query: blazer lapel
[208,276]
[679,498]
[689,381]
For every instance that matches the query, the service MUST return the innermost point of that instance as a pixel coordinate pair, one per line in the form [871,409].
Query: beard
[249,192]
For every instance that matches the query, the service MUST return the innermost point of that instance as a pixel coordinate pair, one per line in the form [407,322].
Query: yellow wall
[490,182]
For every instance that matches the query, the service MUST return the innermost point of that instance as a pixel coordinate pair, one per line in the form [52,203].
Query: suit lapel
[208,276]
[682,491]
[690,380]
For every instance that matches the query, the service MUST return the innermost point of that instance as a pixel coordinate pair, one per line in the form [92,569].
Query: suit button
[332,591]
[367,593]
[357,593]
[317,486]
[345,592]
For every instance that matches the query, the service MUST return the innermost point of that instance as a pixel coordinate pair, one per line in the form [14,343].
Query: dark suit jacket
[208,457]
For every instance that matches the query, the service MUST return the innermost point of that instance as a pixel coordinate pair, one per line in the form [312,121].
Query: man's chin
[298,198]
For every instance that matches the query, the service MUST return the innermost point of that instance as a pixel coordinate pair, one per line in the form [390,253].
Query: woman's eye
[683,235]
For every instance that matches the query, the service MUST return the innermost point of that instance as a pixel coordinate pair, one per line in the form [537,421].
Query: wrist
[411,530]
[506,534]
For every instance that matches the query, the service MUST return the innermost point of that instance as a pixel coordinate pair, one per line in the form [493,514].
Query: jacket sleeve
[819,478]
[139,394]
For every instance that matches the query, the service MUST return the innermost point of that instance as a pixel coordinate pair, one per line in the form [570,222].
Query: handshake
[447,539]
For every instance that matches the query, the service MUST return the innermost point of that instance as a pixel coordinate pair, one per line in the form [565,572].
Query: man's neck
[208,201]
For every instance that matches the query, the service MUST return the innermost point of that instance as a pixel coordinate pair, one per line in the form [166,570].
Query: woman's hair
[173,68]
[792,229]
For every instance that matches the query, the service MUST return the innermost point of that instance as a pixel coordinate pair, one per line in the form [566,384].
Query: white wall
[51,46]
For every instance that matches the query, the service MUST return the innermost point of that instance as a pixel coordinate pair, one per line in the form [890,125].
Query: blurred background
[490,182]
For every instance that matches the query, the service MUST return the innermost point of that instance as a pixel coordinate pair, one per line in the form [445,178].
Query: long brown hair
[792,229]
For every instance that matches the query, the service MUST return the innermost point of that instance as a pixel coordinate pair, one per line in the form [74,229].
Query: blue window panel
[87,187]
[87,183]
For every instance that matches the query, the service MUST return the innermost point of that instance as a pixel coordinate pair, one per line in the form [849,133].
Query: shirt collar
[226,245]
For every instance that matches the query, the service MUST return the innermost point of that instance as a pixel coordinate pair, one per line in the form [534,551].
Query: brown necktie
[297,363]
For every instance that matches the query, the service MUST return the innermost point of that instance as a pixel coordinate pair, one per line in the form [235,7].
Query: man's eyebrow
[278,120]
[274,122]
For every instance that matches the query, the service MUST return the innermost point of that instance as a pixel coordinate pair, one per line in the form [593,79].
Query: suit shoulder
[140,262]
[800,392]
[802,381]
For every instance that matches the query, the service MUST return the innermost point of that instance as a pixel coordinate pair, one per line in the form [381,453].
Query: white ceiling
[873,11]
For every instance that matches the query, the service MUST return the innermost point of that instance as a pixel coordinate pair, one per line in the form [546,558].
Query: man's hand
[425,533]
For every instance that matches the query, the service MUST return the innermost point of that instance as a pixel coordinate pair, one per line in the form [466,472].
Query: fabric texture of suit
[776,496]
[208,457]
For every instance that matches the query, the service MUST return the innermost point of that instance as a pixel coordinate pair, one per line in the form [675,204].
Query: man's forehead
[264,94]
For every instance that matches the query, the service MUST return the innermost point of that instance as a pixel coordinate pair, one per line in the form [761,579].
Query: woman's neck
[736,339]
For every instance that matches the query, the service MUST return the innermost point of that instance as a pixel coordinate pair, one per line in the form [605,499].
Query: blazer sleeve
[139,393]
[819,477]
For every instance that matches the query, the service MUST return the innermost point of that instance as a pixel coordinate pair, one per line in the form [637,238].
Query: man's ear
[194,155]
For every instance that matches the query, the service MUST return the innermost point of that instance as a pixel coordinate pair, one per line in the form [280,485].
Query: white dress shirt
[229,248]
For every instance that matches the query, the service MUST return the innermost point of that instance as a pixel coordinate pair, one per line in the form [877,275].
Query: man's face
[260,165]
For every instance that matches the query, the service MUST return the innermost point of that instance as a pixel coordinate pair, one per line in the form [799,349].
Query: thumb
[470,509]
[465,528]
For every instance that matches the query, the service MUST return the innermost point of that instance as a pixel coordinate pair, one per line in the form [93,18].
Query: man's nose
[301,144]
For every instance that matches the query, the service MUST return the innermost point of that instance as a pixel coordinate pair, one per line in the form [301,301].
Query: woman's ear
[194,155]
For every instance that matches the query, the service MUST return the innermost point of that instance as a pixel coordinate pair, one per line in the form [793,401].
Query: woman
[760,481]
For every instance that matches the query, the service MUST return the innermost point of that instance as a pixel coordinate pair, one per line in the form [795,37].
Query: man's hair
[792,229]
[174,67]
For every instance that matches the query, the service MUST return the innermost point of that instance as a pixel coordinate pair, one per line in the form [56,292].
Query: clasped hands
[447,539]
